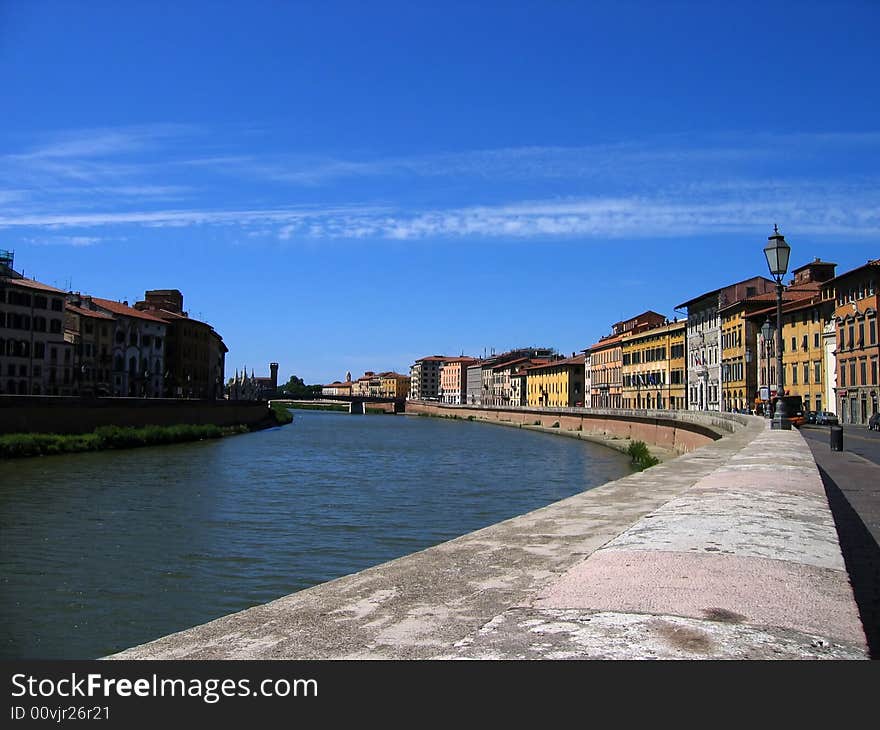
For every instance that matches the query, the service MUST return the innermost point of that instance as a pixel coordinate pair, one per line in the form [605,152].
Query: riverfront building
[474,387]
[805,332]
[35,358]
[91,332]
[556,383]
[653,367]
[704,357]
[854,296]
[138,350]
[195,355]
[393,385]
[453,380]
[606,359]
[424,377]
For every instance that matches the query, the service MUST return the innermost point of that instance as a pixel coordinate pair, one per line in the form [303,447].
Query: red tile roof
[125,311]
[571,361]
[87,312]
[432,358]
[30,284]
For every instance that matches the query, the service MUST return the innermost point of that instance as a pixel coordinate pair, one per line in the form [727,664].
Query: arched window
[117,363]
[132,365]
[133,338]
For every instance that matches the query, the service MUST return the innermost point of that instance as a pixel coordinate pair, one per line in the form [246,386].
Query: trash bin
[836,438]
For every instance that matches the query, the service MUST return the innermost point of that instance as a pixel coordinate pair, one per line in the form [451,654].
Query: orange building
[855,298]
[453,379]
[606,360]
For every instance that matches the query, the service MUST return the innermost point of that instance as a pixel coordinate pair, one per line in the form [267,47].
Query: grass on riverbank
[281,413]
[316,406]
[108,437]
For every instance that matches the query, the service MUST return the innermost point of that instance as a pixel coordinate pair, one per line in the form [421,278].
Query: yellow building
[653,367]
[557,383]
[740,351]
[803,350]
[393,385]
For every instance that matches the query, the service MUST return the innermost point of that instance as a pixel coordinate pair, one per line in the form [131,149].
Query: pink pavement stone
[748,590]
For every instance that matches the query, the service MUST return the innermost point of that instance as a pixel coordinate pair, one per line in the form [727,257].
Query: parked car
[824,418]
[811,416]
[874,422]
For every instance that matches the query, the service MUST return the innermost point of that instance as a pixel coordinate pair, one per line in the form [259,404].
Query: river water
[103,551]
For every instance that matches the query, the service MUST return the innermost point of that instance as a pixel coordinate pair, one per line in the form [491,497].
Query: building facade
[138,354]
[703,337]
[653,367]
[35,357]
[854,296]
[92,334]
[195,354]
[424,377]
[453,380]
[558,383]
[393,385]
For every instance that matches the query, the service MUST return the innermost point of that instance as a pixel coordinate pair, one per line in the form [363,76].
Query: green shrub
[641,456]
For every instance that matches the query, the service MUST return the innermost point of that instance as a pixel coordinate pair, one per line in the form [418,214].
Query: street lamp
[777,252]
[766,331]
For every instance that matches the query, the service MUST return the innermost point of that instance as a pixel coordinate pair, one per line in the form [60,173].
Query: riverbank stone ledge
[728,551]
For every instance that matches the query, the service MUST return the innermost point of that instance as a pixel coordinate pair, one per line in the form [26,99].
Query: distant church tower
[273,369]
[348,377]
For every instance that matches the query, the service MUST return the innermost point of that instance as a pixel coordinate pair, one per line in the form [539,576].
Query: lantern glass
[777,252]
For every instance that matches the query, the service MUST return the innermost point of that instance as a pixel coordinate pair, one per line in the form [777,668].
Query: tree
[296,388]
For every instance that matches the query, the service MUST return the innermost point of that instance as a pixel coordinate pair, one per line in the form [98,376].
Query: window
[863,371]
[794,374]
[794,344]
[806,373]
[843,374]
[817,372]
[53,354]
[852,372]
[57,305]
[55,326]
[40,302]
[816,340]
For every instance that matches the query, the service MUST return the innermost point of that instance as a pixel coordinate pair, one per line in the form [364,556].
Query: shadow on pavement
[862,557]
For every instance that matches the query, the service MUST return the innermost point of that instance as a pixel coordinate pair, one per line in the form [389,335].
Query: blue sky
[350,186]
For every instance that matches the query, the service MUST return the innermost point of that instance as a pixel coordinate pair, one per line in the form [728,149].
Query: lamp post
[766,331]
[777,252]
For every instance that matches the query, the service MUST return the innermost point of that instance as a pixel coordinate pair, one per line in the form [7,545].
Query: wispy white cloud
[669,186]
[634,217]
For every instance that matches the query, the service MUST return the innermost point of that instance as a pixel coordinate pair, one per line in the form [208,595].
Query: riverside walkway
[727,552]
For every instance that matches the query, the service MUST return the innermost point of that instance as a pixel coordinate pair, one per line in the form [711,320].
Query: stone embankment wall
[677,431]
[58,414]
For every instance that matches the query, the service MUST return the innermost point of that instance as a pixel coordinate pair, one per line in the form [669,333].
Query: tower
[273,369]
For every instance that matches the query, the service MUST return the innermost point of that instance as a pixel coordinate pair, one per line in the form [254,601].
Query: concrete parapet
[728,551]
[61,414]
